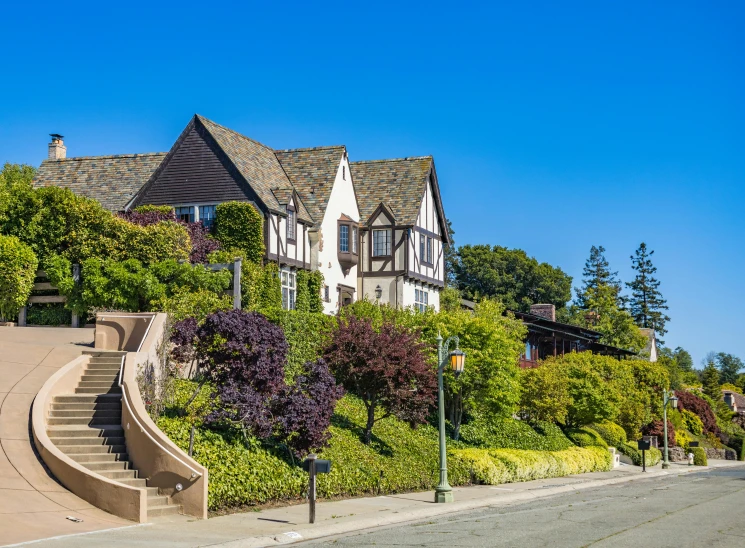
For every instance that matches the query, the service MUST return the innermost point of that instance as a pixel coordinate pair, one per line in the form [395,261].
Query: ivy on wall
[238,225]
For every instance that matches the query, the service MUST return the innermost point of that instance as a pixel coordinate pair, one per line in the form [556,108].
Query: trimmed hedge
[653,456]
[585,437]
[508,433]
[699,456]
[238,225]
[494,466]
[611,433]
[17,272]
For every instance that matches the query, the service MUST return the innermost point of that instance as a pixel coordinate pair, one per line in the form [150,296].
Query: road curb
[315,532]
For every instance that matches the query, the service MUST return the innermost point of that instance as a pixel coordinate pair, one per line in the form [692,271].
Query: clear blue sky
[554,125]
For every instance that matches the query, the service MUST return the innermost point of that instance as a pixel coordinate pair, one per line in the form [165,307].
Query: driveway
[32,504]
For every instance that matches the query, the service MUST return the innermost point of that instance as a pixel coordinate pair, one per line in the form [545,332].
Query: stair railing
[194,473]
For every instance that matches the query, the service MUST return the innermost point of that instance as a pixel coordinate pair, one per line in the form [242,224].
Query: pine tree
[710,381]
[646,304]
[597,273]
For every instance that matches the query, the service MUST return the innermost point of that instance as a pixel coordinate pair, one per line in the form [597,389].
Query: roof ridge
[202,118]
[105,156]
[405,159]
[302,149]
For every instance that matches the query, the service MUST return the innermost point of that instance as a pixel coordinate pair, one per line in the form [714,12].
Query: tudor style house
[374,229]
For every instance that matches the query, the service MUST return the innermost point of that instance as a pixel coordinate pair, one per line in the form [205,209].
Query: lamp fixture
[378,292]
[457,361]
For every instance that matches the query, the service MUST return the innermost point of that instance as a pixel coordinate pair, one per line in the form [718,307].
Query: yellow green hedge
[493,466]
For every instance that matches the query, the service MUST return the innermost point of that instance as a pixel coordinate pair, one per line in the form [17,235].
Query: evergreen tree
[729,366]
[710,381]
[646,304]
[451,257]
[595,274]
[684,359]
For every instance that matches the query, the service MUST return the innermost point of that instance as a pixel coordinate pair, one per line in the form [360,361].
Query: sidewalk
[290,524]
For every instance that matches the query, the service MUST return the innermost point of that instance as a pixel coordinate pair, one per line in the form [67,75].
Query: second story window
[429,250]
[344,238]
[291,224]
[381,243]
[185,214]
[288,289]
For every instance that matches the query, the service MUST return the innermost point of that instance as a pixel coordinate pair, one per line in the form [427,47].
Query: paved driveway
[32,504]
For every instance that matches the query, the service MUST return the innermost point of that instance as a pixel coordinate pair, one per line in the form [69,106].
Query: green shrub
[307,334]
[308,296]
[18,266]
[508,433]
[148,208]
[692,423]
[238,225]
[699,456]
[261,289]
[48,314]
[493,466]
[585,437]
[184,303]
[631,450]
[611,433]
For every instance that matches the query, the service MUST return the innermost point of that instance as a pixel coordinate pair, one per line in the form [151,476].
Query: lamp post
[456,359]
[671,398]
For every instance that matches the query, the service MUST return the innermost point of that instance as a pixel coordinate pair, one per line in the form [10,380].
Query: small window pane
[185,214]
[421,247]
[344,238]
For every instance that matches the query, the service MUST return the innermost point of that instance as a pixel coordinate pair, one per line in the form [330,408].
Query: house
[403,232]
[735,401]
[650,350]
[357,223]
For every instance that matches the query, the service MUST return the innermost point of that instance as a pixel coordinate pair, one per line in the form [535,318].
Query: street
[699,509]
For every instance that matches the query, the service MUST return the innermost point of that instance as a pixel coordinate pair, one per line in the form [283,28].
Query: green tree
[616,325]
[684,359]
[729,367]
[595,274]
[510,276]
[646,303]
[451,256]
[17,272]
[710,380]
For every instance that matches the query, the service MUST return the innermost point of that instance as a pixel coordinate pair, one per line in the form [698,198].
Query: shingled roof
[112,180]
[312,172]
[398,183]
[257,163]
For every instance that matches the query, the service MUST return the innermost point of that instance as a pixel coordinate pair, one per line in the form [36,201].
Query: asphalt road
[699,509]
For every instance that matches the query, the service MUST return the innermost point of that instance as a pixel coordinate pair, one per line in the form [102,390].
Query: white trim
[194,472]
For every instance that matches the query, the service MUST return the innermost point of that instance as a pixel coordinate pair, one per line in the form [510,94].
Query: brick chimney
[547,311]
[57,148]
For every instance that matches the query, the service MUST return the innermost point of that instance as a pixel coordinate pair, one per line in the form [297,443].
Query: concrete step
[156,500]
[164,510]
[118,474]
[89,398]
[134,482]
[114,389]
[107,466]
[104,377]
[114,411]
[85,407]
[85,449]
[95,366]
[92,441]
[84,420]
[152,491]
[96,384]
[85,458]
[100,431]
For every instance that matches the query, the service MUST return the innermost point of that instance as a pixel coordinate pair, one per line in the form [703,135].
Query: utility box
[644,445]
[323,466]
[693,444]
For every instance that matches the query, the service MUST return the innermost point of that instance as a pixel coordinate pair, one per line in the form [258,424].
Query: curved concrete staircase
[86,426]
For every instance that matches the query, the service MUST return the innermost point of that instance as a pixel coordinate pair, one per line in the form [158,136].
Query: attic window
[344,172]
[291,223]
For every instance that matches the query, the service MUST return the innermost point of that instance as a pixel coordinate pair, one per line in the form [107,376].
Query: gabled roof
[400,183]
[312,172]
[257,164]
[111,180]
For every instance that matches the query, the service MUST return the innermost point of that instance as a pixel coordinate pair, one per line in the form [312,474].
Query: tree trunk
[370,423]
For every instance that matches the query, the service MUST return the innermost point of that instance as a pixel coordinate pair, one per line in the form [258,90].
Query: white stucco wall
[428,220]
[342,201]
[408,288]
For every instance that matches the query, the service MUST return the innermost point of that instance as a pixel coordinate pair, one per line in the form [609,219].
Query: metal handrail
[194,473]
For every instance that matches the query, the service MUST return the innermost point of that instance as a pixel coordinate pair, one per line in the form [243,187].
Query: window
[291,224]
[185,214]
[381,243]
[207,215]
[354,240]
[421,247]
[288,289]
[326,294]
[429,250]
[344,172]
[344,238]
[421,299]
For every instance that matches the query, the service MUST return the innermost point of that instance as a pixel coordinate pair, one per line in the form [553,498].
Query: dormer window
[381,242]
[291,224]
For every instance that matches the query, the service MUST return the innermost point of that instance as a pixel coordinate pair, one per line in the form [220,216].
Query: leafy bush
[699,456]
[682,439]
[307,334]
[612,434]
[630,449]
[48,314]
[308,296]
[509,433]
[656,428]
[585,437]
[692,422]
[185,303]
[494,466]
[260,285]
[697,405]
[238,225]
[18,266]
